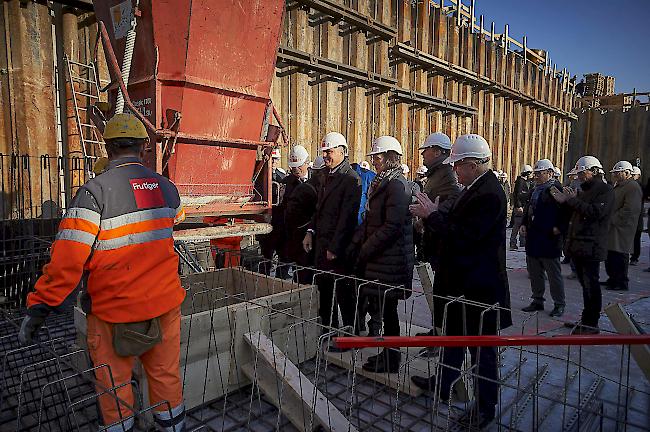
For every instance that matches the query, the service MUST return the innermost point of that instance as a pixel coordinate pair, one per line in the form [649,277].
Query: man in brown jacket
[622,226]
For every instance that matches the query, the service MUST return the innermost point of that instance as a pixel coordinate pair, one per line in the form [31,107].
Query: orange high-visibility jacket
[117,235]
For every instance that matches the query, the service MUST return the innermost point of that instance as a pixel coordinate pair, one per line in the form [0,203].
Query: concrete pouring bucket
[200,73]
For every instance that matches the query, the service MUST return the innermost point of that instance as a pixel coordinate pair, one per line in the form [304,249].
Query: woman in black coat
[382,246]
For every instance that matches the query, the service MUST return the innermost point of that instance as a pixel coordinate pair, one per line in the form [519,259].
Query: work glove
[29,328]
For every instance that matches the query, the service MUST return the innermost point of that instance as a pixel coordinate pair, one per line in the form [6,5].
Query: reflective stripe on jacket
[117,233]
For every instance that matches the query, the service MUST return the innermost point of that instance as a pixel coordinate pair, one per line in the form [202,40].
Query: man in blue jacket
[367,176]
[544,223]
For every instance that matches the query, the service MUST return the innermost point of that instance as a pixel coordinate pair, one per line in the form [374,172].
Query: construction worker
[382,248]
[634,259]
[473,267]
[544,224]
[274,241]
[505,184]
[586,242]
[116,237]
[622,226]
[331,229]
[520,197]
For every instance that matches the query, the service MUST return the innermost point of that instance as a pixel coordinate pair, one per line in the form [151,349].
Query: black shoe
[429,384]
[634,262]
[616,288]
[585,330]
[557,311]
[605,283]
[513,247]
[572,324]
[566,261]
[386,361]
[647,270]
[533,307]
[429,333]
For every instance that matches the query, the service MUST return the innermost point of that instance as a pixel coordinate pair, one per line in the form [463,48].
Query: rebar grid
[255,357]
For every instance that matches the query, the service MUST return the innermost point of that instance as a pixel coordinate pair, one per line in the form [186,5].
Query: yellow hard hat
[125,126]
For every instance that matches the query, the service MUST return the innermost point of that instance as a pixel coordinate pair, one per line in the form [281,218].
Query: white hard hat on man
[469,146]
[298,156]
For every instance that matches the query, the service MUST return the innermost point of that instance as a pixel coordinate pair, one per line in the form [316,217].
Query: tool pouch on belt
[134,339]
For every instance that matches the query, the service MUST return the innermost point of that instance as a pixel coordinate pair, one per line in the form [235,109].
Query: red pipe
[475,341]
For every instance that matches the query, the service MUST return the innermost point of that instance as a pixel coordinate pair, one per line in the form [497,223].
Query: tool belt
[136,338]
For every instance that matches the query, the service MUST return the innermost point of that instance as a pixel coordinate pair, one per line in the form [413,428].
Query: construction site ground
[526,374]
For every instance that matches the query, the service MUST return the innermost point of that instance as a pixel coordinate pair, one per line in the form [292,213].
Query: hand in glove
[29,329]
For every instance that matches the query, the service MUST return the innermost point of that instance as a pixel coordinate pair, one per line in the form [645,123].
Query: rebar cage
[255,356]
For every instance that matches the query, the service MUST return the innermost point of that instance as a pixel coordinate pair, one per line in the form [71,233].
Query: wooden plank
[382,113]
[623,324]
[292,392]
[403,75]
[438,47]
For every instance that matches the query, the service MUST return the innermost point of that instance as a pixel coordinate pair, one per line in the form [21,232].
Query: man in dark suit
[474,266]
[331,229]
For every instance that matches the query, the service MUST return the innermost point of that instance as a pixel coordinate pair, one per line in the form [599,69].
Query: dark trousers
[637,246]
[487,386]
[336,290]
[587,271]
[388,314]
[536,268]
[515,232]
[616,267]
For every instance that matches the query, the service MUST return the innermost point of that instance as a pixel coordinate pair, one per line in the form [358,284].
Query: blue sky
[607,36]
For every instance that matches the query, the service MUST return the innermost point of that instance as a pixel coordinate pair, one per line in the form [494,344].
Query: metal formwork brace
[330,11]
[423,100]
[299,61]
[402,53]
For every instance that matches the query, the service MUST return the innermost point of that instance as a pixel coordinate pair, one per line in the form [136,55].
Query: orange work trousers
[161,365]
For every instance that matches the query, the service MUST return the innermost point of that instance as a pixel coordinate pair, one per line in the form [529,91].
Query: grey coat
[625,216]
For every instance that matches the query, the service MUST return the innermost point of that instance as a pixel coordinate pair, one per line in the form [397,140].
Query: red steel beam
[475,341]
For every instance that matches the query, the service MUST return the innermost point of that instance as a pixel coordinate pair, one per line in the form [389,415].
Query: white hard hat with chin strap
[636,170]
[298,156]
[333,140]
[622,166]
[385,143]
[588,163]
[543,165]
[469,146]
[436,139]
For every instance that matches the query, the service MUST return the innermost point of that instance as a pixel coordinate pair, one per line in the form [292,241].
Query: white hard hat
[469,146]
[527,169]
[276,153]
[422,170]
[636,170]
[405,169]
[298,156]
[384,144]
[557,172]
[543,165]
[319,163]
[504,175]
[437,139]
[497,173]
[622,166]
[365,165]
[586,163]
[333,140]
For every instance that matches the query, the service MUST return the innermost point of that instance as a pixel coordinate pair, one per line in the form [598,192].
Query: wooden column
[438,46]
[301,103]
[358,135]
